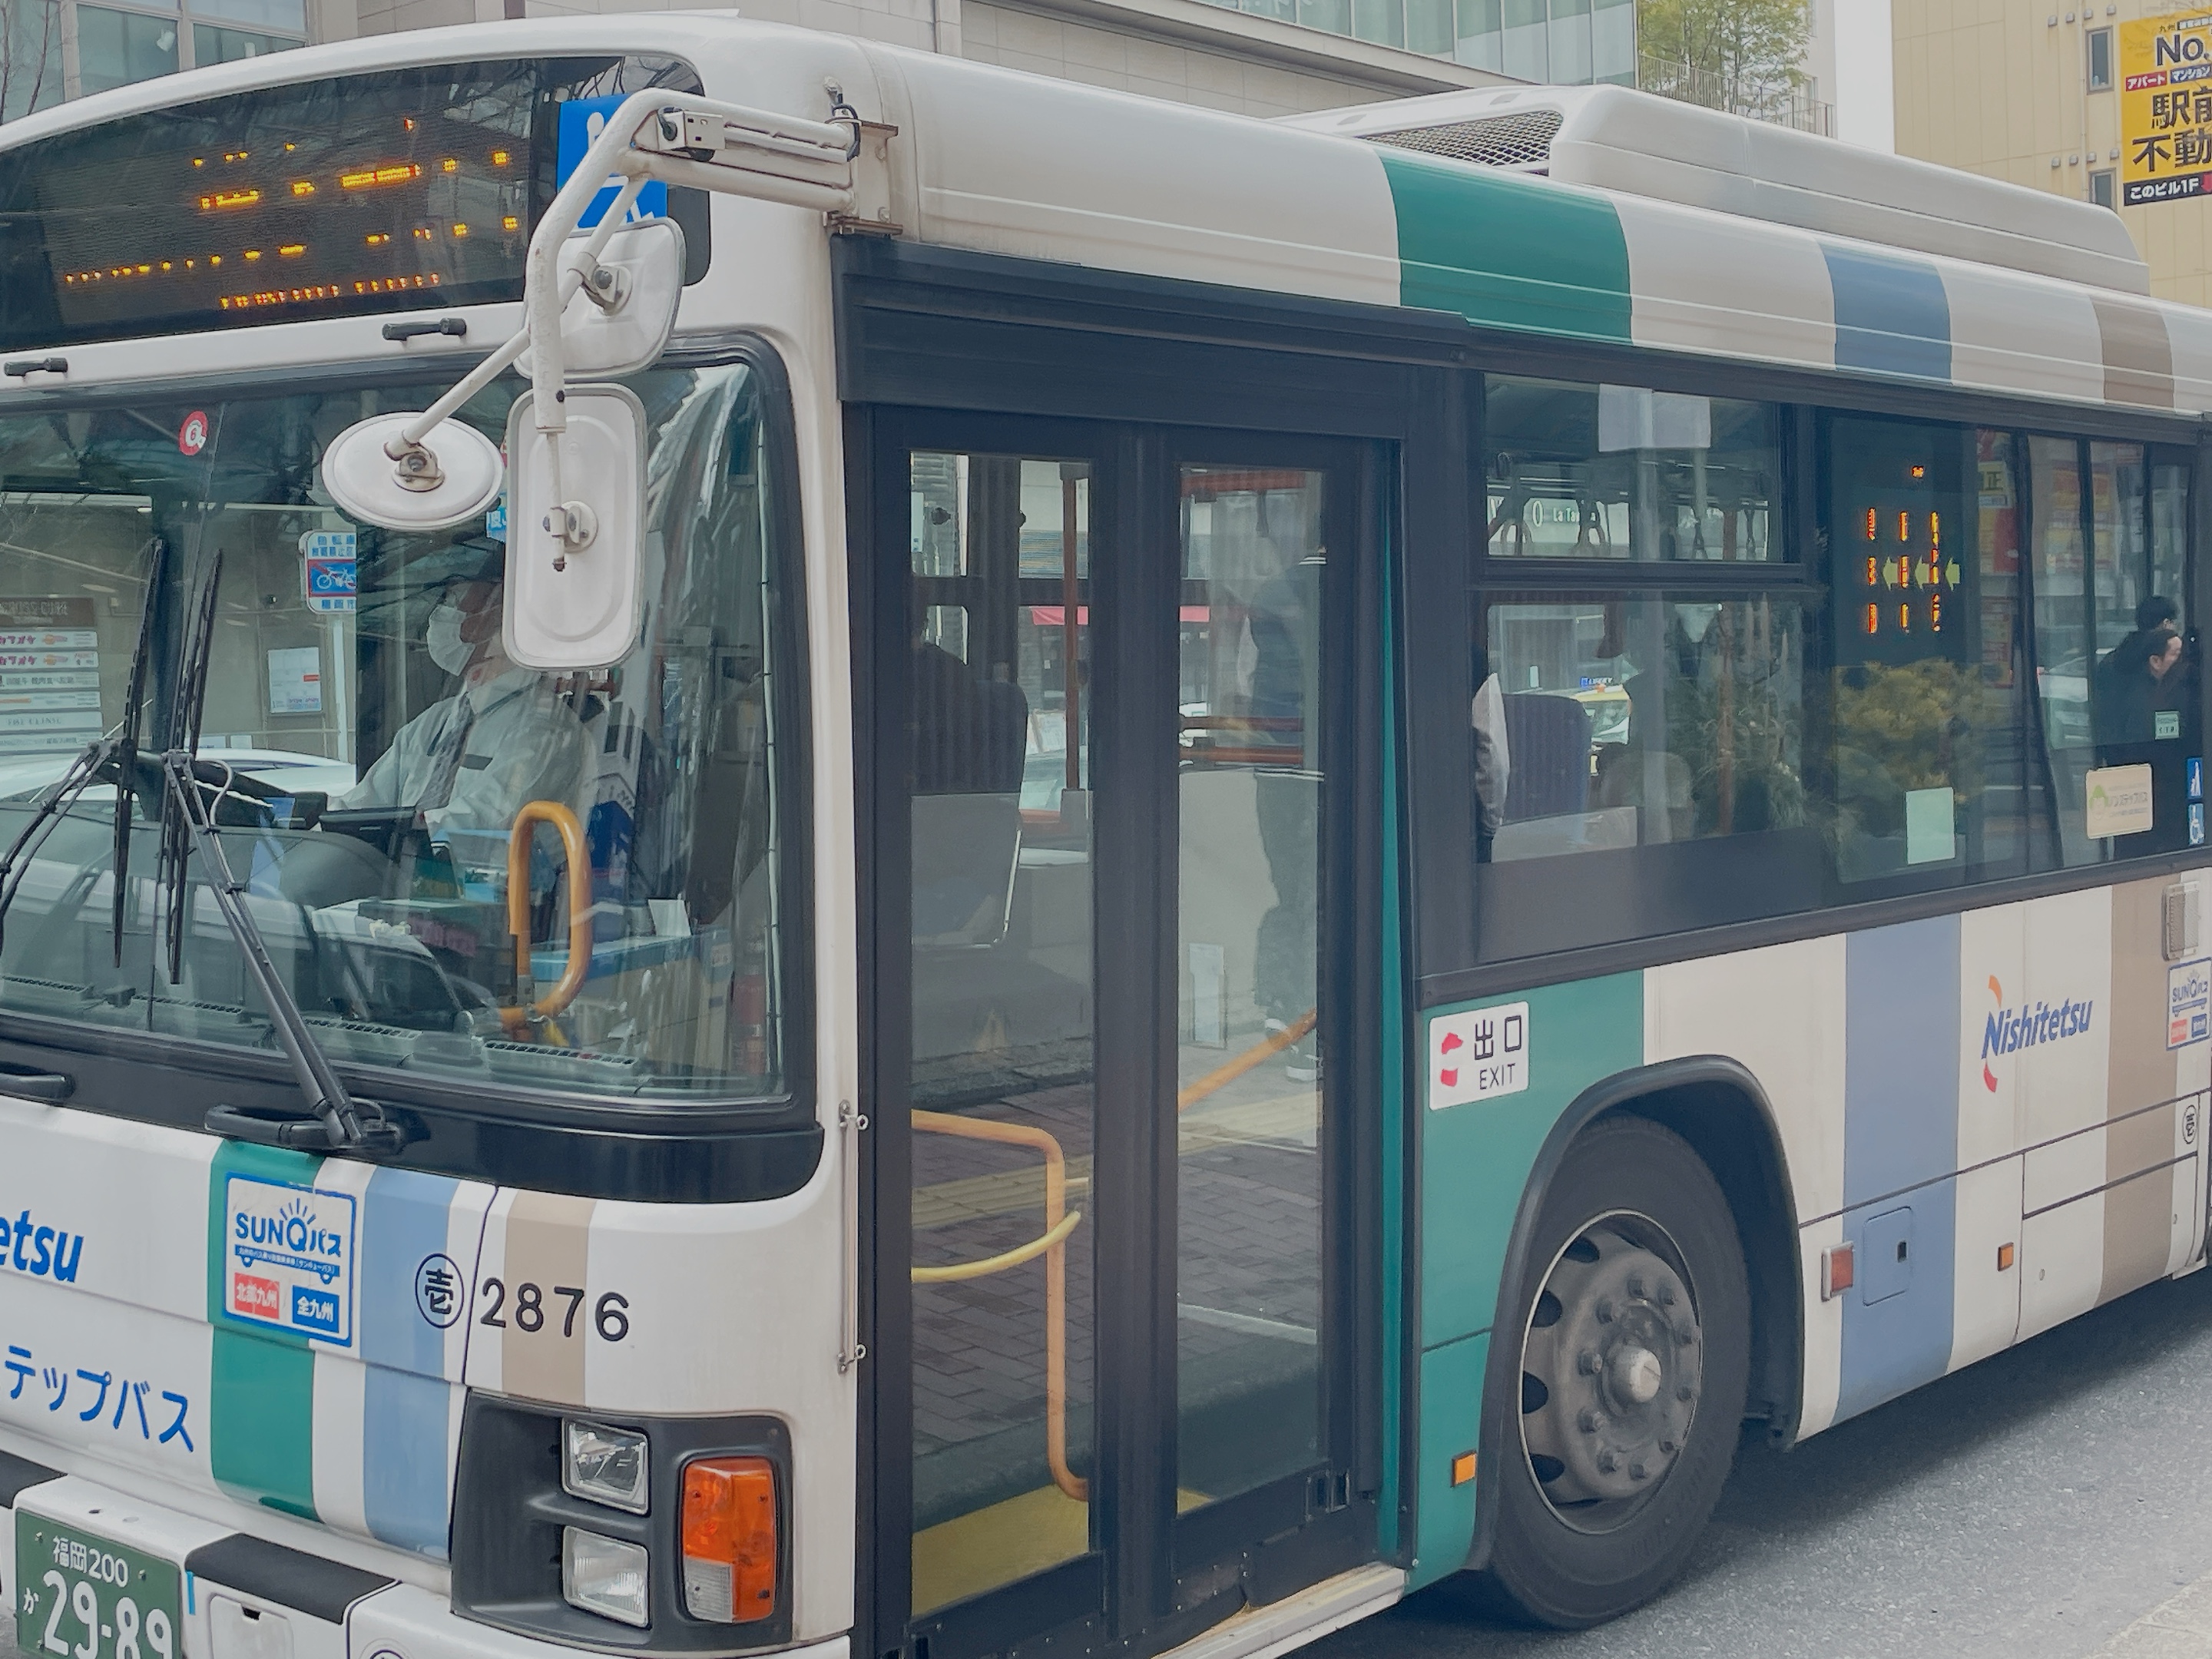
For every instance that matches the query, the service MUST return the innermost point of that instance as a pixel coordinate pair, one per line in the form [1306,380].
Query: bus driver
[506,737]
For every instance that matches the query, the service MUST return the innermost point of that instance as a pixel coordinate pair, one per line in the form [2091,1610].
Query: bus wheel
[1634,1325]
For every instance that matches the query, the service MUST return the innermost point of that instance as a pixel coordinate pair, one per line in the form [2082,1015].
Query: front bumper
[247,1598]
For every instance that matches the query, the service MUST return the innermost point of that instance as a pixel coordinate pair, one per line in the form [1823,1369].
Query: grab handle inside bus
[520,1019]
[1052,1244]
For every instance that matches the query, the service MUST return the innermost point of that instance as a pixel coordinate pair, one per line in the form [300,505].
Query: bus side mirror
[618,320]
[575,532]
[447,477]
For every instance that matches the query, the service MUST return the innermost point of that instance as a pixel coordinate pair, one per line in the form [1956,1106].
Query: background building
[1263,57]
[2028,91]
[1255,56]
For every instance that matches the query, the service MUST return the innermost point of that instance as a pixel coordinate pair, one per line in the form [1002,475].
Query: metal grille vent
[1496,141]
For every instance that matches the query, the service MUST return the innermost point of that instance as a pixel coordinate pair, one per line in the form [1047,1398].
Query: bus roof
[1640,144]
[996,160]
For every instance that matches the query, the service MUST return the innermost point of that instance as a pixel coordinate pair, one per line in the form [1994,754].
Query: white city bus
[873,996]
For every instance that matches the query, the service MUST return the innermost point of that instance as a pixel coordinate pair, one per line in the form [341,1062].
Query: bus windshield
[463,867]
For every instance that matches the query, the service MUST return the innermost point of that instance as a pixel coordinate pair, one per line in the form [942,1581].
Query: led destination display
[372,193]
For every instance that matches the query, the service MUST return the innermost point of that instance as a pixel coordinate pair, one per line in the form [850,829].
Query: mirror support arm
[675,138]
[653,135]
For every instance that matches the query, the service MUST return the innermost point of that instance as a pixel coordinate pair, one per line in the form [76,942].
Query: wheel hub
[1611,1366]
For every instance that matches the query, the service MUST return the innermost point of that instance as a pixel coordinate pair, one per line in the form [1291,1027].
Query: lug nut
[1636,1286]
[1591,1420]
[1686,1394]
[1666,1295]
[1607,1462]
[1685,1337]
[1604,1311]
[1637,1472]
[1587,1362]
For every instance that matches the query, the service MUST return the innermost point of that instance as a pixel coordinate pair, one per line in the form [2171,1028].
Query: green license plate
[83,1597]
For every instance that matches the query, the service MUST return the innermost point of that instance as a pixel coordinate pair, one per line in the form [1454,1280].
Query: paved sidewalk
[2180,1628]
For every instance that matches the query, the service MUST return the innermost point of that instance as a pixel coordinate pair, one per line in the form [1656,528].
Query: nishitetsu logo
[2010,1029]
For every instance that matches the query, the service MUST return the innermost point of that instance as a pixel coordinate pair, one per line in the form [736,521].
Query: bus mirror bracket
[575,493]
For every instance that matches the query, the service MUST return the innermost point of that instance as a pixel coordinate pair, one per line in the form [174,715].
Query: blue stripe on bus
[1891,314]
[404,1225]
[1901,1057]
[405,1397]
[1901,1146]
[403,1475]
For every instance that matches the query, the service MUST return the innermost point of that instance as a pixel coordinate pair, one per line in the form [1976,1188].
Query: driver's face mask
[442,637]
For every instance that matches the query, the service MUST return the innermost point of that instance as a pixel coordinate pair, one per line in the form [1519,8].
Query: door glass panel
[1001,1078]
[2062,665]
[2117,484]
[1247,951]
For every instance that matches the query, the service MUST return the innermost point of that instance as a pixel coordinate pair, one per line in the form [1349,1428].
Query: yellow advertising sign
[2165,108]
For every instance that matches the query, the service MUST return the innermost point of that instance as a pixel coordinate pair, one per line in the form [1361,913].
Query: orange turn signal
[729,1539]
[1462,1468]
[1838,1271]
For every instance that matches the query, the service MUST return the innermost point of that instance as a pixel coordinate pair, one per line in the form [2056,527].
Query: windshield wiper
[335,1121]
[117,748]
[126,742]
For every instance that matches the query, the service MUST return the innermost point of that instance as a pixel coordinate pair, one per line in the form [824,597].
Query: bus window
[2115,668]
[463,867]
[1930,761]
[1625,472]
[1637,721]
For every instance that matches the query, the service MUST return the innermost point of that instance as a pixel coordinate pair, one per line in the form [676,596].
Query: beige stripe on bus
[549,1238]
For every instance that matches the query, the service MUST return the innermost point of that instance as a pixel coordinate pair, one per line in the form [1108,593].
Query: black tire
[1574,1545]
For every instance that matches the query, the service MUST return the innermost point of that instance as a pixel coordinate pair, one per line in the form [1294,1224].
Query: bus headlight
[605,1466]
[603,1575]
[728,1530]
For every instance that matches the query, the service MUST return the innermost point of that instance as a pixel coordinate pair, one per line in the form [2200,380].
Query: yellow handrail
[1226,1073]
[953,1273]
[1052,1246]
[518,1021]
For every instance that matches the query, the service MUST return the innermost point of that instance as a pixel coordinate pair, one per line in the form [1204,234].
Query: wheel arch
[1716,1106]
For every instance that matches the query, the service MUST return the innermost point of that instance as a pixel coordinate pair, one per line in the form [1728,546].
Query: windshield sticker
[289,1257]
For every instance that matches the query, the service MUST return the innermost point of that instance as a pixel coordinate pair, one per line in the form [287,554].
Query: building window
[55,49]
[2100,187]
[30,57]
[114,48]
[2100,60]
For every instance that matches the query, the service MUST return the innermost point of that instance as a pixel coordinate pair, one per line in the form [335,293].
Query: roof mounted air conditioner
[1639,144]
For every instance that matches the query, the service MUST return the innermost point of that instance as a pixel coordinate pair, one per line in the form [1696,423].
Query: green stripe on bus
[261,1432]
[1505,251]
[262,1421]
[1451,1427]
[1476,1158]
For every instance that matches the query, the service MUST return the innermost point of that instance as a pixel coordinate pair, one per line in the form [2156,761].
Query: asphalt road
[2034,1506]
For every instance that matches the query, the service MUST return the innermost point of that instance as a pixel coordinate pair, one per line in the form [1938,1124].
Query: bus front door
[1111,1189]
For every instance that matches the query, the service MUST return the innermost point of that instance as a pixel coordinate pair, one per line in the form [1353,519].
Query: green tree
[1741,56]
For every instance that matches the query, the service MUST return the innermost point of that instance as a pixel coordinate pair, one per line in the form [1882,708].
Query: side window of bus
[1931,778]
[1640,743]
[1982,668]
[1627,472]
[2117,671]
